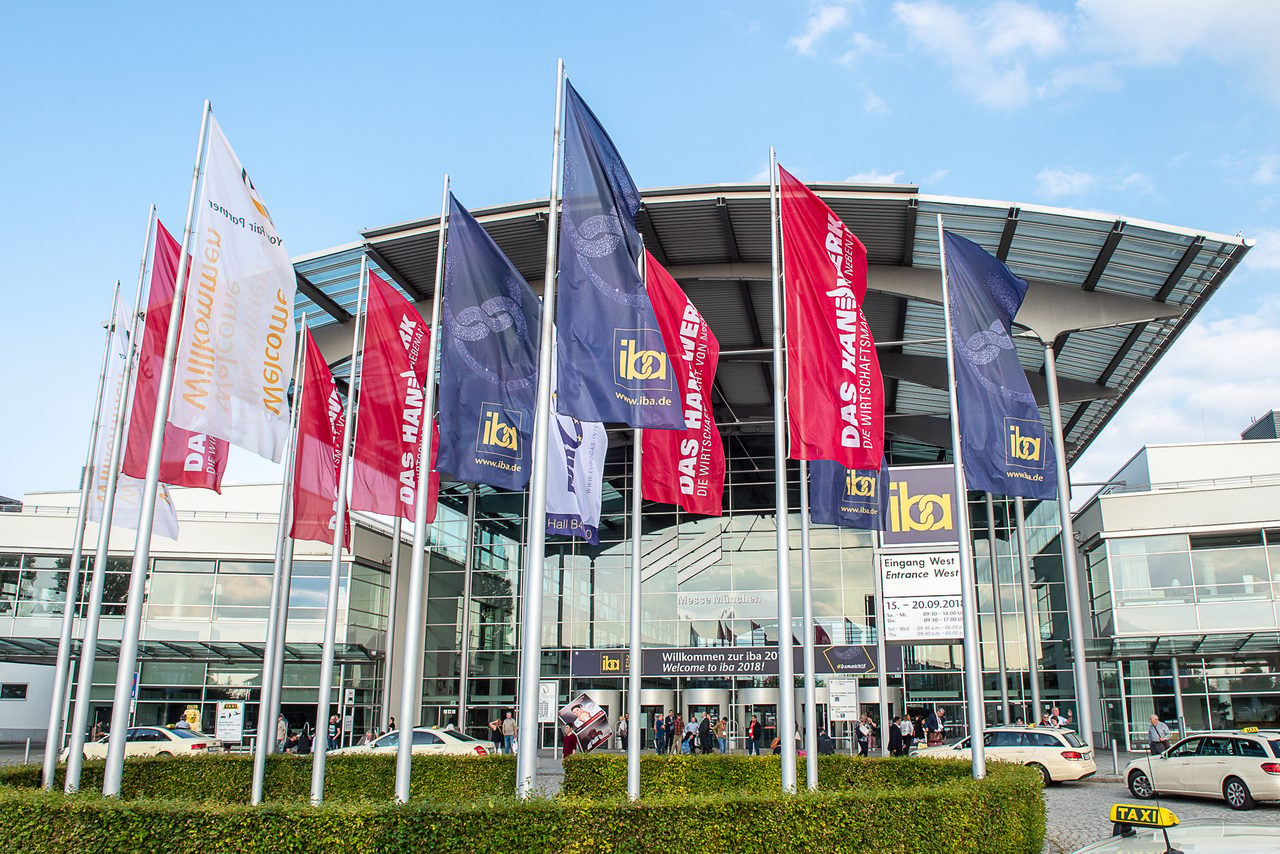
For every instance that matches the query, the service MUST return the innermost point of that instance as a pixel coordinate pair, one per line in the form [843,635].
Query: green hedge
[597,775]
[228,779]
[1002,815]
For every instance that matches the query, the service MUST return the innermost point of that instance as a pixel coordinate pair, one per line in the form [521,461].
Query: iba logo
[925,512]
[1024,448]
[640,368]
[499,431]
[860,486]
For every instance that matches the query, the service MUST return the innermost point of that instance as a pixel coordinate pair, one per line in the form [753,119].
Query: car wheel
[1044,773]
[1140,785]
[1237,794]
[164,753]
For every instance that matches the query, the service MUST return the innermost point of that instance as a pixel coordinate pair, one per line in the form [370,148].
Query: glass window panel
[241,567]
[183,566]
[42,592]
[1224,573]
[182,596]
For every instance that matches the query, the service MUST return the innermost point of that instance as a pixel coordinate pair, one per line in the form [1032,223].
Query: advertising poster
[588,721]
[230,726]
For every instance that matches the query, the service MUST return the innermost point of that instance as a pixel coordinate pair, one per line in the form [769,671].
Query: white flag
[575,474]
[128,502]
[235,356]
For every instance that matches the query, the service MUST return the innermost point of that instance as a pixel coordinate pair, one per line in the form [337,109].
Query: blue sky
[348,115]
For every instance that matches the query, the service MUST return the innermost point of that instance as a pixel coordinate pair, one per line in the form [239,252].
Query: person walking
[495,735]
[704,734]
[908,735]
[569,744]
[691,733]
[863,735]
[722,734]
[895,736]
[509,733]
[936,727]
[659,735]
[335,731]
[1158,736]
[623,729]
[282,732]
[754,732]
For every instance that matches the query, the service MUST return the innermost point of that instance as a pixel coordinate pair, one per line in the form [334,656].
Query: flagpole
[1070,573]
[531,623]
[282,623]
[391,651]
[633,659]
[882,656]
[62,669]
[266,742]
[93,613]
[468,568]
[321,748]
[999,610]
[410,695]
[786,667]
[1029,617]
[808,656]
[114,772]
[968,591]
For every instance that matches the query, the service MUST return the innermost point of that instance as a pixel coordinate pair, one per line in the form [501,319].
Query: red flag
[384,467]
[684,467]
[186,458]
[835,394]
[319,453]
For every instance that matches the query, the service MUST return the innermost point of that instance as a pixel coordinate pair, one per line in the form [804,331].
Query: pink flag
[187,459]
[319,454]
[389,423]
[835,394]
[684,467]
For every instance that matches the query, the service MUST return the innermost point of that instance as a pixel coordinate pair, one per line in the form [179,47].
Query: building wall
[25,693]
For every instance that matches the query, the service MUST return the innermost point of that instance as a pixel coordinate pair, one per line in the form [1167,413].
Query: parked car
[1058,754]
[154,741]
[425,740]
[1238,766]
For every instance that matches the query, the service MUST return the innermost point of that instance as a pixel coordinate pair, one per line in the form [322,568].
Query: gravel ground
[1077,812]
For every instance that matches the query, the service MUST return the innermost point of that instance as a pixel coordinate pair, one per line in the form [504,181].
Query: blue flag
[1007,450]
[850,499]
[490,322]
[613,365]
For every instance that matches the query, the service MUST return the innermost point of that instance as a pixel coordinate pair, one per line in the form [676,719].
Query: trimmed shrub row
[597,775]
[228,779]
[1001,815]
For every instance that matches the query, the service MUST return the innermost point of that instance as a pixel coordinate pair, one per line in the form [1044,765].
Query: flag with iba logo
[849,499]
[1007,450]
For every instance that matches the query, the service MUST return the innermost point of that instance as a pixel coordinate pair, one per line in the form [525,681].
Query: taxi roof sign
[1250,729]
[1141,816]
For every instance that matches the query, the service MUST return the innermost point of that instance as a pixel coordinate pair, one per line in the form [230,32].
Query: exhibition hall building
[1108,297]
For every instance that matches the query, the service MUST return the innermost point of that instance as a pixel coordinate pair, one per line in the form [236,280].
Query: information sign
[921,596]
[230,726]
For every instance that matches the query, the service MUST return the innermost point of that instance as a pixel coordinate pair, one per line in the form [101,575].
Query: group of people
[503,732]
[303,741]
[672,734]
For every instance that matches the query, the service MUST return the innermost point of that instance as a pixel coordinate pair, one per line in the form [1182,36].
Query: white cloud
[874,104]
[874,177]
[1054,183]
[861,44]
[1268,169]
[822,22]
[761,177]
[1265,255]
[1135,182]
[937,175]
[979,51]
[1217,378]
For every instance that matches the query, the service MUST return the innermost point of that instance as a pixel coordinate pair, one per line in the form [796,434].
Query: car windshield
[187,733]
[1072,739]
[461,736]
[1275,747]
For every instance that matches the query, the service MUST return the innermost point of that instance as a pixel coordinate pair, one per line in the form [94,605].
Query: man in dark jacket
[704,733]
[826,746]
[754,733]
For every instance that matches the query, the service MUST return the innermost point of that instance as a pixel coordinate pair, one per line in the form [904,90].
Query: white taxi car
[425,740]
[1239,766]
[153,741]
[1058,754]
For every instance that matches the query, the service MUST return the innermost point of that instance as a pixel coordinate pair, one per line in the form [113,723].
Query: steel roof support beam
[644,222]
[726,225]
[1006,236]
[1104,255]
[321,299]
[415,293]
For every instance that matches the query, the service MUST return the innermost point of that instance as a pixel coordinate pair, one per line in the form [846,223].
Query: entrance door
[767,715]
[648,714]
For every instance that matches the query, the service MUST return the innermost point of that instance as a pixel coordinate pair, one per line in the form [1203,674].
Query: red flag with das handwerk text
[319,453]
[835,393]
[186,458]
[684,467]
[384,465]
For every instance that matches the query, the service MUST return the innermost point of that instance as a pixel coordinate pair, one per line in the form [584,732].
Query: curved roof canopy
[1110,294]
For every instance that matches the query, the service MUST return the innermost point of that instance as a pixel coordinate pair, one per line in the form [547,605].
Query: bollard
[1115,757]
[26,756]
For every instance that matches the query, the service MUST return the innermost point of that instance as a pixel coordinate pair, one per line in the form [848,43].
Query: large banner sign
[235,356]
[849,499]
[921,596]
[589,722]
[922,501]
[834,659]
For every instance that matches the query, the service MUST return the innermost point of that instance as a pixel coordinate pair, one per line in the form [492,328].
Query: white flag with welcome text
[235,356]
[126,510]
